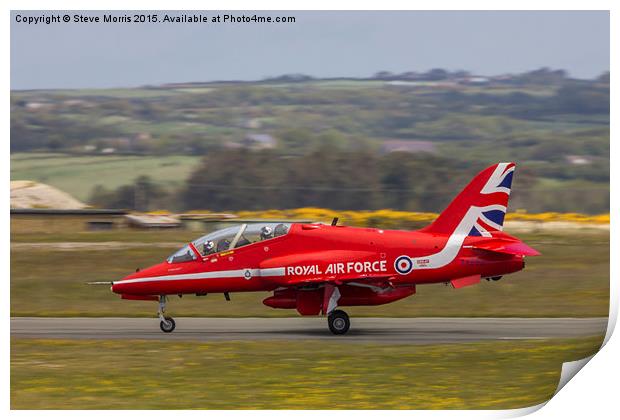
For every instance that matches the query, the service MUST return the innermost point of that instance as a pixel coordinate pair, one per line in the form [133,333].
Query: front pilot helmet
[265,232]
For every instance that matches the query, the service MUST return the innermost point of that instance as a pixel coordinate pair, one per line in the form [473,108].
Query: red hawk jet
[317,269]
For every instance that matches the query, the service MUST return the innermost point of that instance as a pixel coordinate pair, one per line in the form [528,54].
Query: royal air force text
[366,267]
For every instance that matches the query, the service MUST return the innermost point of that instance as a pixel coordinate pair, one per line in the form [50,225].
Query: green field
[570,279]
[82,374]
[77,175]
[128,93]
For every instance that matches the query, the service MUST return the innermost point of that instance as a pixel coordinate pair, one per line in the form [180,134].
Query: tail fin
[480,208]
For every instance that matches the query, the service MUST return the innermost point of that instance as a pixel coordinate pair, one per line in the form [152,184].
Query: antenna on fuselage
[334,221]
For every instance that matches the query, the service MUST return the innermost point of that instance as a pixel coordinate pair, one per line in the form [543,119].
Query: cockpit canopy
[230,238]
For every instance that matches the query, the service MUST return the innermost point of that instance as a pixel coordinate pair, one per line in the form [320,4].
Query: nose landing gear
[166,323]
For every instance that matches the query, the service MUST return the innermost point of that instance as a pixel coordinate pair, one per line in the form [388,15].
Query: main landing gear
[166,323]
[338,322]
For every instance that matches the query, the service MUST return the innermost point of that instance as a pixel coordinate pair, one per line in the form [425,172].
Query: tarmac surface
[380,330]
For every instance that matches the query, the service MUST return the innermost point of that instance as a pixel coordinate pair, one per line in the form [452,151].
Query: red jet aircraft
[317,268]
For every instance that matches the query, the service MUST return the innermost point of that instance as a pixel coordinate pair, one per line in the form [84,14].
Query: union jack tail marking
[482,202]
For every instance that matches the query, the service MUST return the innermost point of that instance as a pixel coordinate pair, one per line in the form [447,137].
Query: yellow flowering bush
[388,217]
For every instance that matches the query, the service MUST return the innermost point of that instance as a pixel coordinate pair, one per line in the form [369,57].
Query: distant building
[259,141]
[35,106]
[152,221]
[76,102]
[578,160]
[475,80]
[407,83]
[408,146]
[65,220]
[89,148]
[252,123]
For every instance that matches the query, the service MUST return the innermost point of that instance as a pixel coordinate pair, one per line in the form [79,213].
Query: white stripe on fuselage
[255,272]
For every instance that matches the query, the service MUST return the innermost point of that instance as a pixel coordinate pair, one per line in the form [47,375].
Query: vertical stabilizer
[483,201]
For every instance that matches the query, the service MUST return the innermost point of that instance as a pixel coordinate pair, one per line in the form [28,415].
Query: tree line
[337,179]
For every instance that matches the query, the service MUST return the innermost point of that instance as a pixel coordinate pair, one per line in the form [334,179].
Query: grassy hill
[555,127]
[78,174]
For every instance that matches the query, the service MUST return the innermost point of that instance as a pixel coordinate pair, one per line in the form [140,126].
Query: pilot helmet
[280,230]
[266,232]
[208,246]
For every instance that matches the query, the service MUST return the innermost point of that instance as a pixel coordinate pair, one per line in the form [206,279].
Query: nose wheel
[166,323]
[338,322]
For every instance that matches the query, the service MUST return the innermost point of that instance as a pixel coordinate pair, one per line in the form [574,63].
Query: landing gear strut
[338,322]
[166,323]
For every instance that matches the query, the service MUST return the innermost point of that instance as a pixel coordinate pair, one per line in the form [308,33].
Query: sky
[320,44]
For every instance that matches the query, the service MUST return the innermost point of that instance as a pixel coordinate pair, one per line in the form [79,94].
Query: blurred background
[340,110]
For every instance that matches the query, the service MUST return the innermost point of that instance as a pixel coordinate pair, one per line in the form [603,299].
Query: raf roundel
[403,265]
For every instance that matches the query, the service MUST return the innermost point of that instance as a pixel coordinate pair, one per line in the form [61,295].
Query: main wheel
[338,322]
[168,325]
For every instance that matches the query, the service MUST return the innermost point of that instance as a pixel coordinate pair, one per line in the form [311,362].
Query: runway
[380,330]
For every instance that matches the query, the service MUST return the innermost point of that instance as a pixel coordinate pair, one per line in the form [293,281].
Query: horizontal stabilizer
[507,247]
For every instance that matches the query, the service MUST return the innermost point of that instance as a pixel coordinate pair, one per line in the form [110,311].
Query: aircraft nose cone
[120,287]
[127,286]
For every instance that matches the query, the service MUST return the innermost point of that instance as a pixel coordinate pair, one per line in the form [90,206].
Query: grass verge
[117,374]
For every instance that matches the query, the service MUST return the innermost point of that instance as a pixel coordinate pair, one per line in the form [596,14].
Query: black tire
[168,326]
[338,322]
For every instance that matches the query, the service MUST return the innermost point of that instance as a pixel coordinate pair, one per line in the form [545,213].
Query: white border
[594,391]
